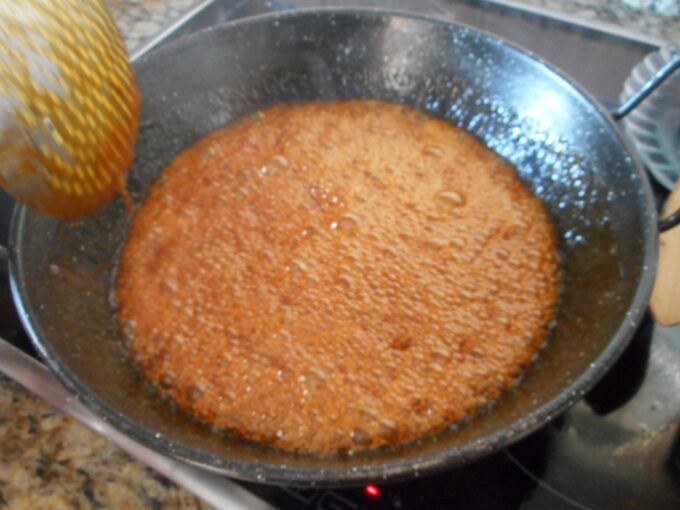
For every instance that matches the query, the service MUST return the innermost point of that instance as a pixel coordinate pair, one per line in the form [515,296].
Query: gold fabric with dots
[68,105]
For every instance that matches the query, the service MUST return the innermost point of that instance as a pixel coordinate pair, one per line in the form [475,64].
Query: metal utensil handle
[670,221]
[650,86]
[633,101]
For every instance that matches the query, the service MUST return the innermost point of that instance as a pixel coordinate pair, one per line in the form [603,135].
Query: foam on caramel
[334,276]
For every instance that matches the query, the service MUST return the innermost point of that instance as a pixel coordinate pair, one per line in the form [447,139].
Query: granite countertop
[140,19]
[659,19]
[48,460]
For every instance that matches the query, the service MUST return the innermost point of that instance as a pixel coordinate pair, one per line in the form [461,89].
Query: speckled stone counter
[656,18]
[48,460]
[140,19]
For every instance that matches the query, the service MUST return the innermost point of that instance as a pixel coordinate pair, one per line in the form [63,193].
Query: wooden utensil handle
[665,301]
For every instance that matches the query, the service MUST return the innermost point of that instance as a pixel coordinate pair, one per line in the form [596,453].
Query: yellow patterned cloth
[68,105]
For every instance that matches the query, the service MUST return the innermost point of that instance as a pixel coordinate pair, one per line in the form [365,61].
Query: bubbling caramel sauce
[337,276]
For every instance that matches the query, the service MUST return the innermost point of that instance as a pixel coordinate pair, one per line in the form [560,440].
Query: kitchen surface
[48,460]
[139,20]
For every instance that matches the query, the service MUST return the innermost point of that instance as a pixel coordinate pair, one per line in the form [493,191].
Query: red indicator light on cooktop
[372,490]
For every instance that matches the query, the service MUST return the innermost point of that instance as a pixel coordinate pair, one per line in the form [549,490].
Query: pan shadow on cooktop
[673,461]
[10,325]
[625,377]
[491,483]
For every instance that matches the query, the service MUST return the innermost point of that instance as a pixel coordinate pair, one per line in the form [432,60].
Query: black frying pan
[566,148]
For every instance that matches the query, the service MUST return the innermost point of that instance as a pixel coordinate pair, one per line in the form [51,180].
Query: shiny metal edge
[212,488]
[161,36]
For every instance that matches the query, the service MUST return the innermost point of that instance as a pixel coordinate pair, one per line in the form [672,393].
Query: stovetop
[619,448]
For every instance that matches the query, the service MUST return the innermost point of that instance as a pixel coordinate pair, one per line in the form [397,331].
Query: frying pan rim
[355,473]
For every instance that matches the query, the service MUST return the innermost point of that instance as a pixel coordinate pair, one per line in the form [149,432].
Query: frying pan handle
[633,101]
[654,82]
[673,220]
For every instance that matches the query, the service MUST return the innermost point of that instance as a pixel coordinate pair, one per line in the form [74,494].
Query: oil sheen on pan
[337,276]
